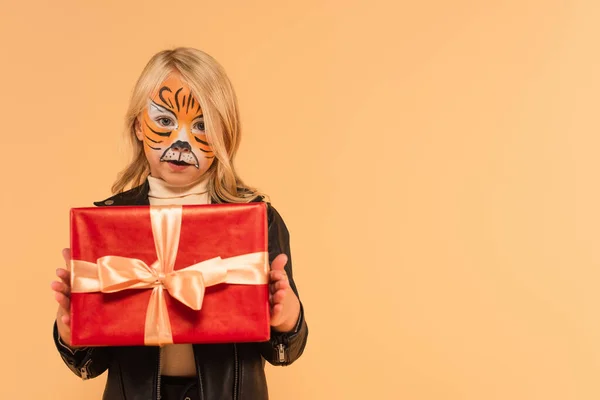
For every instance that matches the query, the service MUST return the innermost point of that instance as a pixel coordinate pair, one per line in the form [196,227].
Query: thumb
[279,262]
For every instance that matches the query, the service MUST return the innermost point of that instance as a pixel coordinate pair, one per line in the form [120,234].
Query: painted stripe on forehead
[198,109]
[161,97]
[177,97]
[190,102]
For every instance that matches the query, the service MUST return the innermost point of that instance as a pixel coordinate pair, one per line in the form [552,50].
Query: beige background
[436,162]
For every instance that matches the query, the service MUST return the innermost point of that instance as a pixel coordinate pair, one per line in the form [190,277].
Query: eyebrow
[163,109]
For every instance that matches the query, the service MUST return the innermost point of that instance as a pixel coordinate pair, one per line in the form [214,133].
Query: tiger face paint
[171,128]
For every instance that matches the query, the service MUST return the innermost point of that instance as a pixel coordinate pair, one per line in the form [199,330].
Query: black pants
[178,388]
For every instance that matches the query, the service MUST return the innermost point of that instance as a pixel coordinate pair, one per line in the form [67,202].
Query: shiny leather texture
[224,371]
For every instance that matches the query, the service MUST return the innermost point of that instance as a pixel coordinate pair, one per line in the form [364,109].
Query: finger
[272,282]
[66,319]
[64,302]
[283,284]
[279,262]
[61,287]
[64,276]
[278,297]
[276,314]
[277,275]
[66,253]
[273,288]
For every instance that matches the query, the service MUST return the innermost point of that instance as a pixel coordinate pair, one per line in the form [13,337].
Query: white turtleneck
[177,359]
[163,193]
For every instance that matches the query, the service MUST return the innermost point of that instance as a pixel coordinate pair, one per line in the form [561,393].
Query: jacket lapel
[137,196]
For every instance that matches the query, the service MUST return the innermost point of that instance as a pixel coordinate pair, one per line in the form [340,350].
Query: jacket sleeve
[85,362]
[283,348]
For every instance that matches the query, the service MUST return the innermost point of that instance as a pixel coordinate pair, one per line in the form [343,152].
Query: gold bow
[111,274]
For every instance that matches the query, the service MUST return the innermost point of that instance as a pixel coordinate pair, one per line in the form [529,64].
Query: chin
[175,175]
[180,179]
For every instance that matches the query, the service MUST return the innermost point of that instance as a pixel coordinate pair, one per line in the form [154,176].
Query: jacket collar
[138,196]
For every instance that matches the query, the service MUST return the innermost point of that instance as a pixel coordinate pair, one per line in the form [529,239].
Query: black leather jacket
[225,371]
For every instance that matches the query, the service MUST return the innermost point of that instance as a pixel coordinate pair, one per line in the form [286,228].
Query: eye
[164,121]
[199,126]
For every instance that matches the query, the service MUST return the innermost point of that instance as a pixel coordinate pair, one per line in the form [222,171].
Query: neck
[194,192]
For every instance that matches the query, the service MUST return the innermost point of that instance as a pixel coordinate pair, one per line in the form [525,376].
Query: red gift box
[153,275]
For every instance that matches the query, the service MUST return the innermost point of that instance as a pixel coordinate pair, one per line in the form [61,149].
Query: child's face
[172,130]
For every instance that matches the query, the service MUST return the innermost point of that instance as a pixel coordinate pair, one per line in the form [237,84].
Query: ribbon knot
[160,279]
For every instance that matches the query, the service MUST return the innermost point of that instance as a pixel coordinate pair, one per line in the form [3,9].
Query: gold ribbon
[111,274]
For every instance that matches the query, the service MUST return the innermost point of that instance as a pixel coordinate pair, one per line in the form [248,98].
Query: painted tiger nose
[182,146]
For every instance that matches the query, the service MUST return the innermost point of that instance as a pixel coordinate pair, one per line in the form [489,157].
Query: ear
[137,126]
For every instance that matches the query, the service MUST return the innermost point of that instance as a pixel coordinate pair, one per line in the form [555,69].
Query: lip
[177,168]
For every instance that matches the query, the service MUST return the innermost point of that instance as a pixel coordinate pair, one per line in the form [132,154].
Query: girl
[184,124]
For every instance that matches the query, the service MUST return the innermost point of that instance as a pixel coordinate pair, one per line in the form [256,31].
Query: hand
[285,306]
[62,294]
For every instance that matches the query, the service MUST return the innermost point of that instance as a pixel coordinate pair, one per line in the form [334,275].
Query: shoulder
[274,217]
[135,196]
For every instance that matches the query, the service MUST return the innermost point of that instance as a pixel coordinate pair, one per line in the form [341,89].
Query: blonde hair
[211,86]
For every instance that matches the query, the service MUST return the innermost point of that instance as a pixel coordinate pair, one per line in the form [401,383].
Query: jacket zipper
[84,370]
[281,349]
[281,352]
[236,376]
[158,396]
